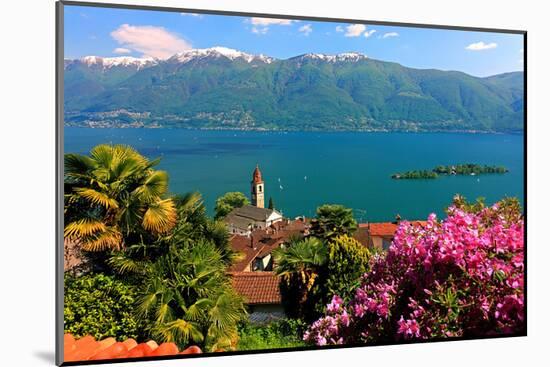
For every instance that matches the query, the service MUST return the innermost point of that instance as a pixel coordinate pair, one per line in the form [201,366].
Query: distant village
[256,231]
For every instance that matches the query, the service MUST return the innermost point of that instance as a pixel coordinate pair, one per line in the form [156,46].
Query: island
[470,169]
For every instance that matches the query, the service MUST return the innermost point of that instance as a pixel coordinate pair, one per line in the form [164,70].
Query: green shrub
[99,305]
[347,262]
[275,335]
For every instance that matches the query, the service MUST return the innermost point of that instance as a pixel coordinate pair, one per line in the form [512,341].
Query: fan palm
[303,258]
[188,298]
[299,265]
[113,194]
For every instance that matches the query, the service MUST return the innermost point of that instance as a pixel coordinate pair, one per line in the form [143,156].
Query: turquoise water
[303,170]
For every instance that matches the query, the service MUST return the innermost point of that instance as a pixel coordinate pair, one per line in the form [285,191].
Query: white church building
[244,220]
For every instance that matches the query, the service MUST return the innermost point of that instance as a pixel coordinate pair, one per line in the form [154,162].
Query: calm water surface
[303,170]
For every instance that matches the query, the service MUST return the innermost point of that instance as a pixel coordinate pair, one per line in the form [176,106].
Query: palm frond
[154,186]
[160,217]
[110,239]
[97,197]
[123,264]
[83,228]
[180,331]
[77,164]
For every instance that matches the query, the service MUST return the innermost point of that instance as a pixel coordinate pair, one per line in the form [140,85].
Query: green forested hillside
[300,93]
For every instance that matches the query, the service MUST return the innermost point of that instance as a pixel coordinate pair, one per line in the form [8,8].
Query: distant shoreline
[417,131]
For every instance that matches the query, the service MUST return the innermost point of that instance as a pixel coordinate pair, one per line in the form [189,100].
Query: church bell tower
[257,189]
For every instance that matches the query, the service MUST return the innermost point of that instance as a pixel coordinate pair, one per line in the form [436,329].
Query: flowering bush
[462,276]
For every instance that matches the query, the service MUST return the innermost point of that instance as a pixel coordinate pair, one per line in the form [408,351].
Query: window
[260,188]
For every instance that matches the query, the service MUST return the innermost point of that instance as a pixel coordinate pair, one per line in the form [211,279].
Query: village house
[261,294]
[379,235]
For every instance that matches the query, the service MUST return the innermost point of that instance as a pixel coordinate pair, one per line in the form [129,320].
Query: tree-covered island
[460,169]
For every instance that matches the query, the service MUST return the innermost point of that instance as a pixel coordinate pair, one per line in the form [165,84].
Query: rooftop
[251,212]
[257,288]
[386,229]
[263,241]
[257,175]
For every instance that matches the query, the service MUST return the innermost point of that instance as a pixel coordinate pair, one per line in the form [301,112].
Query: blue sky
[122,32]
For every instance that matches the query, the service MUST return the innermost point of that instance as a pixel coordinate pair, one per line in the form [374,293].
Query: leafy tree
[299,265]
[187,298]
[271,205]
[101,306]
[347,262]
[333,221]
[229,201]
[113,197]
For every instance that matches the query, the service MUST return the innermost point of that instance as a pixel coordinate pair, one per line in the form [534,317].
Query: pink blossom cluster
[462,276]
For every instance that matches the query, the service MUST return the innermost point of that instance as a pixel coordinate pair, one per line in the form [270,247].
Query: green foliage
[115,197]
[187,298]
[424,174]
[229,201]
[468,169]
[101,306]
[299,264]
[347,262]
[459,169]
[333,221]
[279,334]
[509,208]
[299,93]
[271,205]
[193,227]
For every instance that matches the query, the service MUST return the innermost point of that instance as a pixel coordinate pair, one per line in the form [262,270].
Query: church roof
[257,175]
[252,212]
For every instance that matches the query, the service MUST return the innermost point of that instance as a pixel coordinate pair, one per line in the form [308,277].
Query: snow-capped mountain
[218,52]
[345,56]
[204,54]
[110,62]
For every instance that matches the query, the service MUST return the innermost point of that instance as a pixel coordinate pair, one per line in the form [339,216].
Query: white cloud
[149,40]
[355,30]
[390,34]
[367,34]
[480,46]
[339,28]
[260,30]
[270,21]
[261,25]
[306,29]
[122,50]
[192,15]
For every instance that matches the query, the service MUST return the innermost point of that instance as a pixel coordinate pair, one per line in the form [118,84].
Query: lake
[303,170]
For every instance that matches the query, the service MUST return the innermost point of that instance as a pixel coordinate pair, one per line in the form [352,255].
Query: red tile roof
[257,287]
[87,348]
[257,175]
[386,229]
[262,242]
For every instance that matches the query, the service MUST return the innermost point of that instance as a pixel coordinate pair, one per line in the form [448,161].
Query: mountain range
[219,88]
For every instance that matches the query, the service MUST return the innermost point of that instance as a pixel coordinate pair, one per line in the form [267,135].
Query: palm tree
[115,195]
[188,298]
[193,227]
[333,221]
[299,264]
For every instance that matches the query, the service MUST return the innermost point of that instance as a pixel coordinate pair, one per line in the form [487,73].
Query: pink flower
[472,260]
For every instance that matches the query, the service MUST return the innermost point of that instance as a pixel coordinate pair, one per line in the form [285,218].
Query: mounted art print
[232,183]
